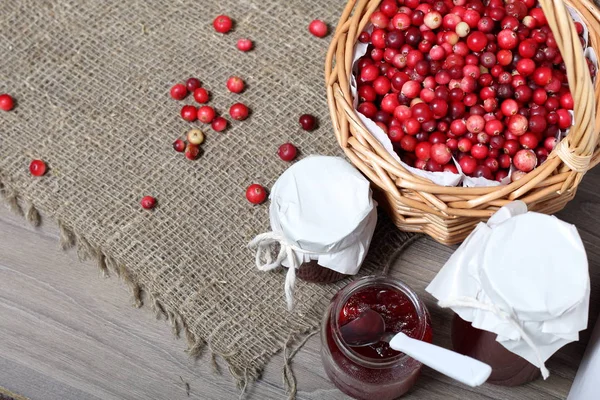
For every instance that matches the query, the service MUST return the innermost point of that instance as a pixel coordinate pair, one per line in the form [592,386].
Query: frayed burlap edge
[86,250]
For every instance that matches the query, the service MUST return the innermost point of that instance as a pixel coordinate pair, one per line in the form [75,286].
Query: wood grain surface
[68,333]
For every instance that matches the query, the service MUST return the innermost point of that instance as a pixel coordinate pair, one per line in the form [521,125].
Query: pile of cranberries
[483,82]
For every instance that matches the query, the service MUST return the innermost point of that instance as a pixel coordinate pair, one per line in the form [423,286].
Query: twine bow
[470,302]
[264,244]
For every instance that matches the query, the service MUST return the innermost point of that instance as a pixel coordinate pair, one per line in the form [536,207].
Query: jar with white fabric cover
[520,288]
[322,218]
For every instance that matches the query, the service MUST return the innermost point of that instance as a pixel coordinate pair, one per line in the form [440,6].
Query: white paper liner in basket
[444,178]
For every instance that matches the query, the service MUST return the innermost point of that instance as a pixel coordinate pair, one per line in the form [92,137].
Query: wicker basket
[449,214]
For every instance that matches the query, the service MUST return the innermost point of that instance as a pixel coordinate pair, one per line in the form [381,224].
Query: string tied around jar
[470,302]
[264,244]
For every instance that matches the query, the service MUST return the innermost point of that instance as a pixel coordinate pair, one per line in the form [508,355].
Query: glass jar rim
[374,280]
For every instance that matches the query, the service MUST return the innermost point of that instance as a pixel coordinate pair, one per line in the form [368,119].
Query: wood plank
[67,333]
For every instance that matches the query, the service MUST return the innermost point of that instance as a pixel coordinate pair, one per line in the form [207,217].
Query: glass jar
[508,368]
[375,371]
[313,272]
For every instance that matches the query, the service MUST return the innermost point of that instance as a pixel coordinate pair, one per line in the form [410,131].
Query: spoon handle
[457,366]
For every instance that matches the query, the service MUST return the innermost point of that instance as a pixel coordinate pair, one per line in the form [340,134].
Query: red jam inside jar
[508,368]
[313,272]
[374,371]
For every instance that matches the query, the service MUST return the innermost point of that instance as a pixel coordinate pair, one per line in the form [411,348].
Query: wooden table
[67,333]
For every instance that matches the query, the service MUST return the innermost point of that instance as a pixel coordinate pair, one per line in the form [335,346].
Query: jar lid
[319,201]
[534,264]
[523,276]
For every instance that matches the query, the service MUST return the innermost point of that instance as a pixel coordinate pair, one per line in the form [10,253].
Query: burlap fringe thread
[85,251]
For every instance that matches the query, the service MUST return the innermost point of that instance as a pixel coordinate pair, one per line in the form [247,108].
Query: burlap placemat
[92,78]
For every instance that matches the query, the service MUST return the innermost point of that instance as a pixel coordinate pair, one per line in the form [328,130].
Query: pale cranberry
[475,123]
[462,29]
[517,124]
[507,39]
[525,160]
[432,20]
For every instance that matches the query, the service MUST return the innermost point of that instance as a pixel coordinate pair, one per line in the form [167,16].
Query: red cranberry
[235,84]
[389,7]
[394,39]
[189,113]
[529,140]
[504,160]
[206,114]
[369,73]
[411,89]
[423,151]
[287,152]
[219,124]
[408,143]
[222,24]
[413,36]
[192,84]
[564,118]
[192,151]
[411,126]
[511,147]
[178,92]
[468,164]
[401,21]
[477,41]
[566,101]
[494,127]
[246,44]
[37,168]
[542,76]
[479,151]
[537,124]
[256,194]
[239,111]
[465,145]
[525,160]
[379,19]
[526,66]
[507,39]
[368,109]
[509,107]
[523,94]
[318,28]
[148,202]
[364,37]
[201,95]
[550,143]
[440,153]
[492,164]
[179,145]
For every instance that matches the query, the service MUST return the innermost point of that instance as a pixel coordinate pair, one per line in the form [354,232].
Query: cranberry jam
[374,371]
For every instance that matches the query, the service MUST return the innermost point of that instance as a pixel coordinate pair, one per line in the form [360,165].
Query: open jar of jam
[508,368]
[375,371]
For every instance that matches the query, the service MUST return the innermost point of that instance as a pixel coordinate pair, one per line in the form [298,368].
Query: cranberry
[206,114]
[507,39]
[468,164]
[504,57]
[222,24]
[195,136]
[542,76]
[526,66]
[523,93]
[422,112]
[364,37]
[504,160]
[256,194]
[411,126]
[566,101]
[192,84]
[465,145]
[437,137]
[239,111]
[525,160]
[394,39]
[537,124]
[219,124]
[477,41]
[413,36]
[318,28]
[509,107]
[482,171]
[178,92]
[179,145]
[462,29]
[494,127]
[245,45]
[37,168]
[368,109]
[287,152]
[423,151]
[369,73]
[201,95]
[379,19]
[192,151]
[511,146]
[408,143]
[389,7]
[479,151]
[235,84]
[411,89]
[432,20]
[148,202]
[550,143]
[529,140]
[517,124]
[395,134]
[475,123]
[564,119]
[189,113]
[389,103]
[441,153]
[552,103]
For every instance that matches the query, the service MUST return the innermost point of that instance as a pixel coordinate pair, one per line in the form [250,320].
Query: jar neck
[342,298]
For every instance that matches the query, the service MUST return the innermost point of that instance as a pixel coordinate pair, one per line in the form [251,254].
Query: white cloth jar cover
[523,276]
[321,209]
